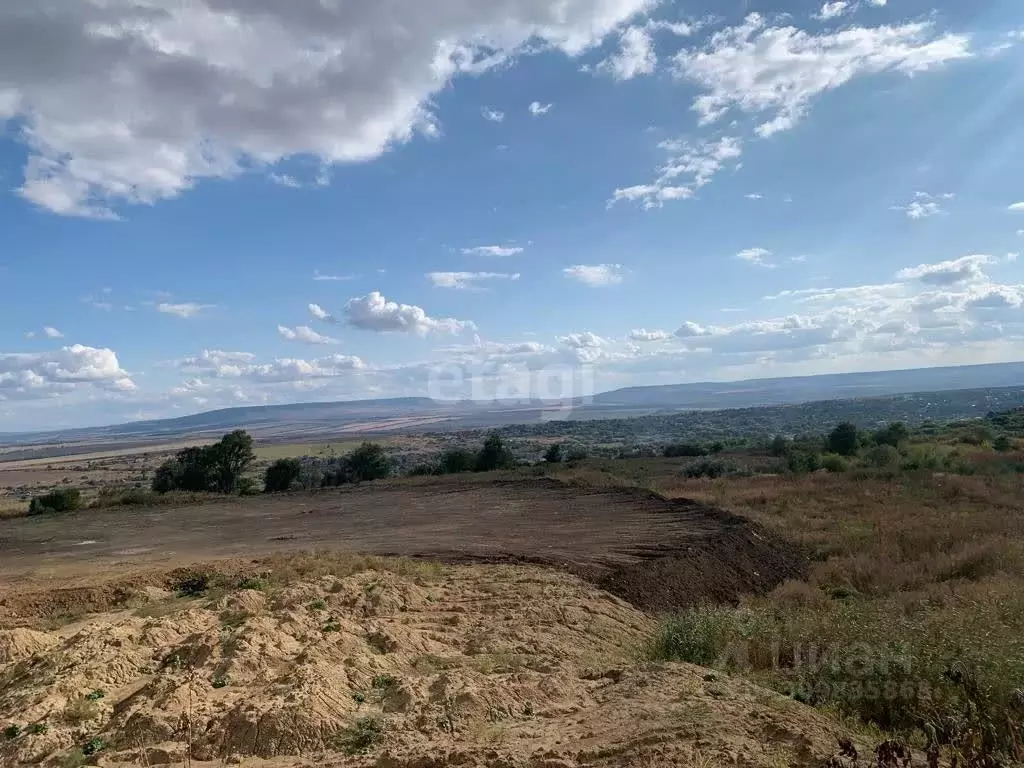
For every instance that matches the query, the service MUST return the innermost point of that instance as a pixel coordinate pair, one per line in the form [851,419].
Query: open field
[628,542]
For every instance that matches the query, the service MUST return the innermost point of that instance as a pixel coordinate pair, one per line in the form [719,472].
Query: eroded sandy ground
[349,661]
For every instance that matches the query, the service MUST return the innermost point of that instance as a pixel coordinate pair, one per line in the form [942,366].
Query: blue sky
[237,203]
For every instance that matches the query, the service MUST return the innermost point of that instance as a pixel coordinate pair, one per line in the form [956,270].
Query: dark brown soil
[659,555]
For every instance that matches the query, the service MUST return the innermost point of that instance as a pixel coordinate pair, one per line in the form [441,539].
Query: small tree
[230,458]
[780,446]
[553,455]
[1003,444]
[894,434]
[456,461]
[60,500]
[843,440]
[370,462]
[217,467]
[280,475]
[494,455]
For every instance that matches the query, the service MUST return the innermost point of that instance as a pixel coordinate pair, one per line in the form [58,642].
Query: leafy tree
[843,440]
[370,462]
[894,434]
[230,458]
[494,455]
[1003,444]
[553,455]
[800,461]
[281,474]
[577,453]
[218,467]
[456,461]
[882,456]
[779,446]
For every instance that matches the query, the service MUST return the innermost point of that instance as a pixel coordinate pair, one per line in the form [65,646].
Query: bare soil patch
[657,554]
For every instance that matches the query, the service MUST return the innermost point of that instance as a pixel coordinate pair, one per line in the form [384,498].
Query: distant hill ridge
[324,417]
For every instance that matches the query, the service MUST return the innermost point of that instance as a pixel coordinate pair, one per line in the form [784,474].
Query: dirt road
[658,553]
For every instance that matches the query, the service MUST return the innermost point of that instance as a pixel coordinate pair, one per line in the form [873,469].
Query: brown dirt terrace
[655,553]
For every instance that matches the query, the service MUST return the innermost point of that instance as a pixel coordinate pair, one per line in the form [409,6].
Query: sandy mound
[18,644]
[482,665]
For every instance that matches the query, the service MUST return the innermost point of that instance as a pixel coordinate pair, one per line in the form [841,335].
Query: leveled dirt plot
[655,553]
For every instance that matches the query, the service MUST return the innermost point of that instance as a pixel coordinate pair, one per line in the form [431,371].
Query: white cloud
[242,366]
[492,250]
[833,10]
[1017,207]
[754,196]
[537,109]
[285,180]
[321,277]
[184,310]
[62,371]
[642,334]
[635,56]
[695,163]
[374,312]
[585,340]
[964,269]
[148,98]
[493,115]
[756,68]
[467,280]
[756,256]
[52,333]
[304,334]
[595,275]
[924,205]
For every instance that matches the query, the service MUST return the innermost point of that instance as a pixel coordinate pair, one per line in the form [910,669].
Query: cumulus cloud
[595,275]
[493,115]
[690,165]
[492,250]
[585,340]
[642,334]
[1017,207]
[304,334]
[215,363]
[467,280]
[374,312]
[964,269]
[185,310]
[66,370]
[537,109]
[635,56]
[145,99]
[833,10]
[52,333]
[756,68]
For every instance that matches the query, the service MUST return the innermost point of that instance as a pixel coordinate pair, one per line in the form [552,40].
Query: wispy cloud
[492,250]
[184,310]
[595,275]
[537,109]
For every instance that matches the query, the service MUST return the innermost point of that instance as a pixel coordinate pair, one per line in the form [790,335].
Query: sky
[218,203]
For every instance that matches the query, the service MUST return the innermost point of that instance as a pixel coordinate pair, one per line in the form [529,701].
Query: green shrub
[1003,444]
[844,439]
[370,462]
[882,456]
[677,450]
[801,461]
[38,729]
[455,461]
[553,455]
[833,462]
[361,736]
[12,732]
[712,468]
[494,455]
[59,500]
[698,636]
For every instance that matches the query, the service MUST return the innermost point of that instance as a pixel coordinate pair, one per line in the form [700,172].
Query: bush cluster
[369,461]
[218,468]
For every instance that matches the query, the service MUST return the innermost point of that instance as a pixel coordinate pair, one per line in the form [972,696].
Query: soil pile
[419,665]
